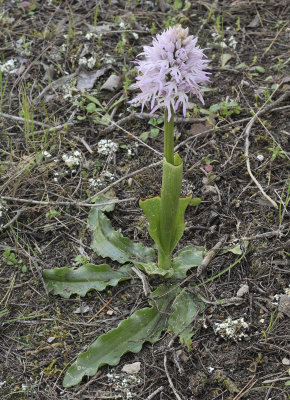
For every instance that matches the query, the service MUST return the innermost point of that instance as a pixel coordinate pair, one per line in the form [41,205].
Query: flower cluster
[172,69]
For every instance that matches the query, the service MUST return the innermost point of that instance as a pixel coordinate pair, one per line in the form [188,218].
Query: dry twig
[262,110]
[125,120]
[210,255]
[66,203]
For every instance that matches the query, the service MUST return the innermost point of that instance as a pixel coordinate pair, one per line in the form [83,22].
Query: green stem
[164,260]
[169,137]
[169,203]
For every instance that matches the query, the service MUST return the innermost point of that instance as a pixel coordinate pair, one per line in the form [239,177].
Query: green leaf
[204,111]
[186,306]
[231,104]
[106,201]
[144,325]
[260,69]
[151,208]
[67,281]
[144,136]
[52,213]
[287,383]
[214,108]
[195,201]
[110,243]
[153,269]
[225,58]
[91,107]
[241,66]
[166,213]
[117,102]
[186,258]
[94,100]
[154,132]
[236,249]
[177,5]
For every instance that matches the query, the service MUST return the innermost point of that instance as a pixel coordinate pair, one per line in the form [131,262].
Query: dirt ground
[235,147]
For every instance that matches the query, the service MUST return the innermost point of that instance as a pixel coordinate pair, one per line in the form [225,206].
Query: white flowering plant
[171,70]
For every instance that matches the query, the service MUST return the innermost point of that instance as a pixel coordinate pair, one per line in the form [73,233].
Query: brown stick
[210,255]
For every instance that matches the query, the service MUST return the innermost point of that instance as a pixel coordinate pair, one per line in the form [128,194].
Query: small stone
[83,309]
[112,83]
[110,312]
[286,361]
[244,289]
[260,157]
[133,368]
[284,304]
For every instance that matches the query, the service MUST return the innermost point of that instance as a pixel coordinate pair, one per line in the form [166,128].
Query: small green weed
[10,259]
[283,205]
[52,214]
[80,260]
[273,321]
[225,109]
[276,151]
[154,131]
[3,86]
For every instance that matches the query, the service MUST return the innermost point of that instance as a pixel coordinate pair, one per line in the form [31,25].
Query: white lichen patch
[89,62]
[108,59]
[276,297]
[123,384]
[46,154]
[231,328]
[95,183]
[73,159]
[69,89]
[98,183]
[287,290]
[107,146]
[223,41]
[232,42]
[3,207]
[9,67]
[92,35]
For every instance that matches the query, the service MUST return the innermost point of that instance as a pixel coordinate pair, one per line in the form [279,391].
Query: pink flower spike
[173,68]
[25,4]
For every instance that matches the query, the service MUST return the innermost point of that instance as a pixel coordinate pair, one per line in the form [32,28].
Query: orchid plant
[170,70]
[173,69]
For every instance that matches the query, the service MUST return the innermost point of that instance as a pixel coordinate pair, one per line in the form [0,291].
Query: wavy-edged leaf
[186,258]
[186,306]
[110,243]
[67,281]
[153,269]
[144,325]
[105,201]
[151,208]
